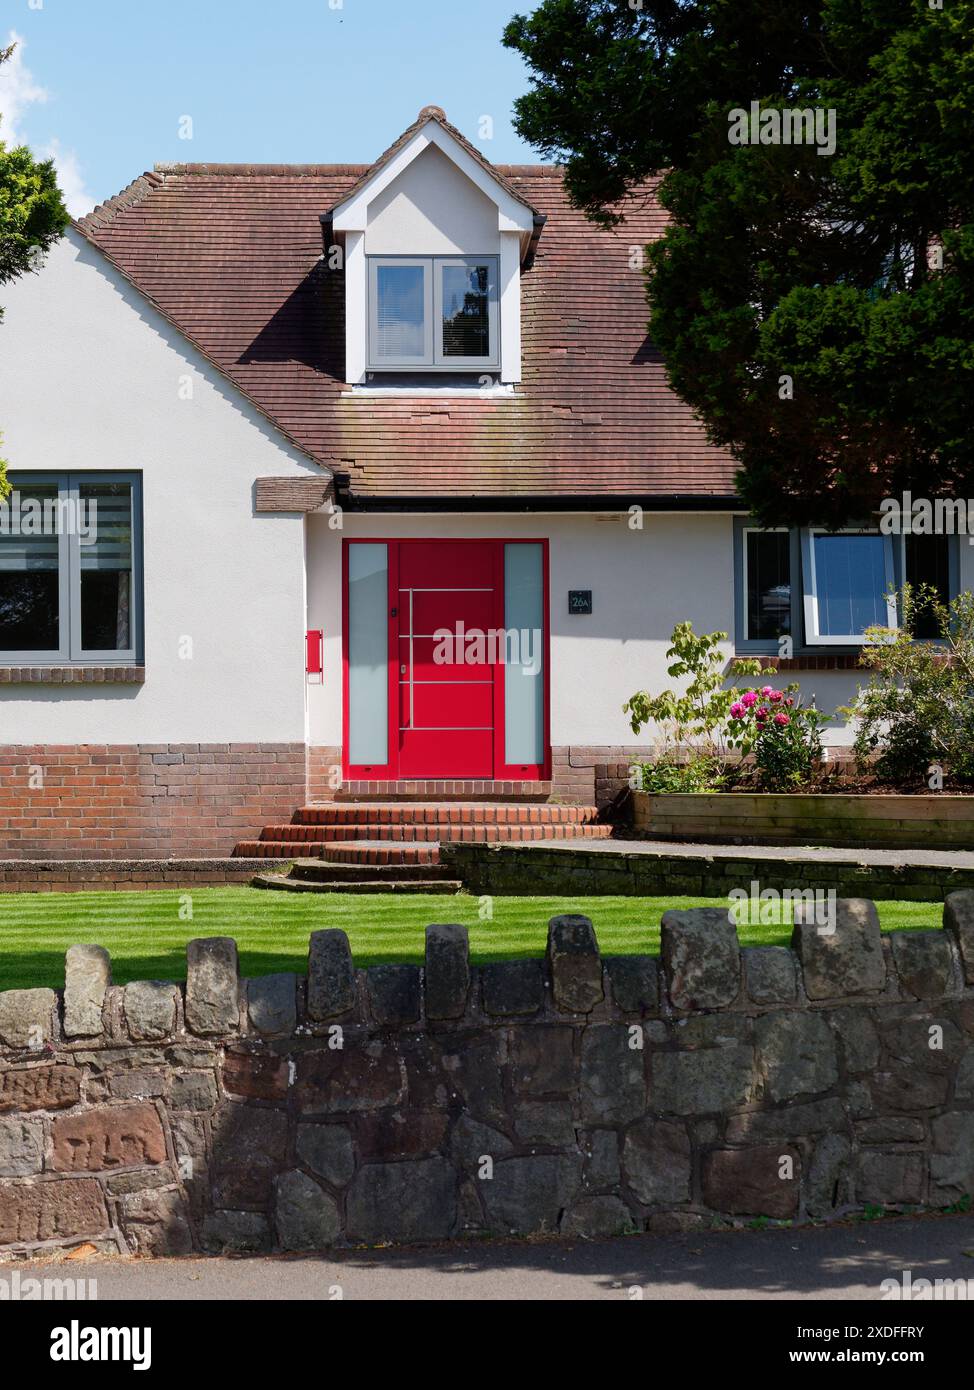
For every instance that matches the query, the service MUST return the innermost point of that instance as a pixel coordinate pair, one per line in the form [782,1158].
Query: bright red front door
[448,683]
[437,682]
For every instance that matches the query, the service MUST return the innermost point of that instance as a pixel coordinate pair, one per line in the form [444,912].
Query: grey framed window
[440,313]
[767,579]
[71,569]
[932,562]
[822,589]
[847,579]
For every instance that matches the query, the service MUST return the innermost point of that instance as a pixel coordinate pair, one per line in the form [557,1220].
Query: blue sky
[103,85]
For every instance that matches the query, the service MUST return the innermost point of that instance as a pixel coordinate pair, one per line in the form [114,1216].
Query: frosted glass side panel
[368,654]
[524,670]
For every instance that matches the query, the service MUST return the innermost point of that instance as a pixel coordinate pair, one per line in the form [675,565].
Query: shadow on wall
[39,692]
[712,1087]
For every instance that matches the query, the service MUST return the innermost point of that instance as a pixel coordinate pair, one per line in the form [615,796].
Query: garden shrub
[916,713]
[706,721]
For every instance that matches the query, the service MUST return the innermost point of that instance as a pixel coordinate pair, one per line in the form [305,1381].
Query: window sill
[72,675]
[449,391]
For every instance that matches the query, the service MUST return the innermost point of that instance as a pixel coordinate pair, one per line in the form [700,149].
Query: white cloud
[77,199]
[18,92]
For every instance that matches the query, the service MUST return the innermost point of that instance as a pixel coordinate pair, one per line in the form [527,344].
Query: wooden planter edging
[906,822]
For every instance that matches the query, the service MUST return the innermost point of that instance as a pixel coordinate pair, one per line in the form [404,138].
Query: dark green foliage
[781,262]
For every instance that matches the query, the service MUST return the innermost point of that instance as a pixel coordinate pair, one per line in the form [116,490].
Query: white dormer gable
[434,243]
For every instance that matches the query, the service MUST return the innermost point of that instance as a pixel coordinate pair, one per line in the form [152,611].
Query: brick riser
[335,834]
[444,791]
[364,813]
[297,846]
[357,852]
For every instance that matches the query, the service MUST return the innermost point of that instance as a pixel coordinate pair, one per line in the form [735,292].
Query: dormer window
[434,241]
[433,312]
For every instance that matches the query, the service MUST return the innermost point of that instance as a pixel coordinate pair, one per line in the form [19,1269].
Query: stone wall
[578,1095]
[124,875]
[628,870]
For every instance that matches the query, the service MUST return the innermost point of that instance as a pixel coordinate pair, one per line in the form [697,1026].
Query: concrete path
[813,854]
[837,1262]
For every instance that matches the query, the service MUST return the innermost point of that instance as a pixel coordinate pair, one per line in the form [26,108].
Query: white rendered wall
[680,566]
[432,209]
[90,378]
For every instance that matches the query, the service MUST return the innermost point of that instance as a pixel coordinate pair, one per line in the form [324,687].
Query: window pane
[29,577]
[850,575]
[400,311]
[466,299]
[927,562]
[768,585]
[105,548]
[524,678]
[368,654]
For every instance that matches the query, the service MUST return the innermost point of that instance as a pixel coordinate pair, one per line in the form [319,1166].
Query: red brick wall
[592,775]
[148,800]
[583,775]
[322,765]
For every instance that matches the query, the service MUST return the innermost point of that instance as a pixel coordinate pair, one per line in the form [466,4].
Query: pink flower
[789,702]
[781,718]
[767,690]
[761,713]
[748,698]
[776,697]
[737,710]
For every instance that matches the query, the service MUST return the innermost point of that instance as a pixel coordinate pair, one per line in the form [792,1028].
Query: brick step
[301,835]
[286,884]
[435,813]
[381,852]
[323,871]
[455,789]
[276,849]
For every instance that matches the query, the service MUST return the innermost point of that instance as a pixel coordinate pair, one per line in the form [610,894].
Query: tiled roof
[232,254]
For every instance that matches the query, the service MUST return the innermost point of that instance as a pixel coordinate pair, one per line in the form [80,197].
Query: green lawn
[147,932]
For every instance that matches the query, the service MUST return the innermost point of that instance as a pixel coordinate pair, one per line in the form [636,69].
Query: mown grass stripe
[147,932]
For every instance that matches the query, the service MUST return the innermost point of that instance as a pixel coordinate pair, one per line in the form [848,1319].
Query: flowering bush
[783,735]
[701,723]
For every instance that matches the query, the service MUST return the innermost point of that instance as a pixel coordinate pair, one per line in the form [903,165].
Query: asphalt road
[838,1262]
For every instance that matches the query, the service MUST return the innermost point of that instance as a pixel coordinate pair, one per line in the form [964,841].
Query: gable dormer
[434,244]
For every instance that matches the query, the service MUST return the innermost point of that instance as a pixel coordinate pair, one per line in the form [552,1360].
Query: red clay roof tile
[232,254]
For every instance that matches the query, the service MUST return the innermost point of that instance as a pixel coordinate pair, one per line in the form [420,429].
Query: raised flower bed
[747,766]
[936,821]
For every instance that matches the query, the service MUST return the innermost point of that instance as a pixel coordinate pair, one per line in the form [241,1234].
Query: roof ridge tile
[130,196]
